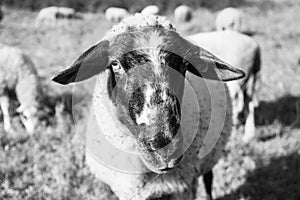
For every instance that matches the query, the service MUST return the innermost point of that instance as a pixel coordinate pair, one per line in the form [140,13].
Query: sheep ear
[205,64]
[91,62]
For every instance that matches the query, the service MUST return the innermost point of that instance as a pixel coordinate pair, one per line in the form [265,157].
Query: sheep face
[145,71]
[146,87]
[145,81]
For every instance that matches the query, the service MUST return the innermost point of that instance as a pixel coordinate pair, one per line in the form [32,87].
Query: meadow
[50,164]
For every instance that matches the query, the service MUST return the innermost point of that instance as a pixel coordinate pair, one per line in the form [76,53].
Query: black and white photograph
[149,100]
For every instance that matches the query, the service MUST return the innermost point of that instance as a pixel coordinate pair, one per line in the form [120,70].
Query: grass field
[50,163]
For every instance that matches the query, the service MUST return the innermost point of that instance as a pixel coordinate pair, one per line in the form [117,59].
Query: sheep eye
[25,117]
[117,67]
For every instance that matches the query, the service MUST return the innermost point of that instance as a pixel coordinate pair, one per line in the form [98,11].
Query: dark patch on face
[159,141]
[111,83]
[133,59]
[176,62]
[173,120]
[136,103]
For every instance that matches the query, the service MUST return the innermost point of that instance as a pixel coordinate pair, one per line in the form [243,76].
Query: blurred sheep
[150,10]
[241,51]
[183,13]
[19,79]
[115,14]
[230,19]
[50,15]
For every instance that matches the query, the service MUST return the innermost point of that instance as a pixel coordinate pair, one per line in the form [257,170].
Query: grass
[50,164]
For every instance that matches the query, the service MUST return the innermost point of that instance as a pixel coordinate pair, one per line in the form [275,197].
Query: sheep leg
[208,180]
[4,104]
[249,132]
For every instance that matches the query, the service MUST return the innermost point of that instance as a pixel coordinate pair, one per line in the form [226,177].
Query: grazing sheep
[50,15]
[238,50]
[229,19]
[18,78]
[115,14]
[183,13]
[150,10]
[141,81]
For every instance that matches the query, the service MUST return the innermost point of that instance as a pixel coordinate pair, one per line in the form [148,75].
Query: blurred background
[49,164]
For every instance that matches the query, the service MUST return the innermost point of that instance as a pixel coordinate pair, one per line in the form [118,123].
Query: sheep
[144,72]
[183,13]
[50,15]
[115,14]
[150,10]
[19,78]
[230,19]
[238,50]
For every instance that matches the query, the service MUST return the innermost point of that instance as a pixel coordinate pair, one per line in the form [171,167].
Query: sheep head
[29,117]
[145,68]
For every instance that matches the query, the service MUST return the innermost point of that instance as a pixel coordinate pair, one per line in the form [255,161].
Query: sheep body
[229,19]
[183,13]
[51,14]
[115,14]
[181,182]
[242,51]
[150,10]
[18,75]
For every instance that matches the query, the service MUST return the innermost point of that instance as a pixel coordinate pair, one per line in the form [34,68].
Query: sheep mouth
[166,168]
[172,164]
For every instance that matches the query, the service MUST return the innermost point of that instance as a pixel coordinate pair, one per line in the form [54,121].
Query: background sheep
[242,51]
[150,10]
[50,15]
[230,19]
[149,103]
[18,78]
[115,14]
[183,13]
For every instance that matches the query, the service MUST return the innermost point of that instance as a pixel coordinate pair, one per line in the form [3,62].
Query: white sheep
[115,14]
[147,111]
[50,15]
[238,50]
[183,13]
[230,19]
[19,78]
[150,10]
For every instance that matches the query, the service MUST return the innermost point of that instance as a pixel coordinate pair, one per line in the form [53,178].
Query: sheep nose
[158,142]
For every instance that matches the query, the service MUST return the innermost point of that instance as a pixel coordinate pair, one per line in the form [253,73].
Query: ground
[50,163]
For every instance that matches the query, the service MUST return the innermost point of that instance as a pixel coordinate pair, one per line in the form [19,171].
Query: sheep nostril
[158,142]
[149,145]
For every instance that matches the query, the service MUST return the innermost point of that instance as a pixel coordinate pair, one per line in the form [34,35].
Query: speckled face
[145,61]
[146,86]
